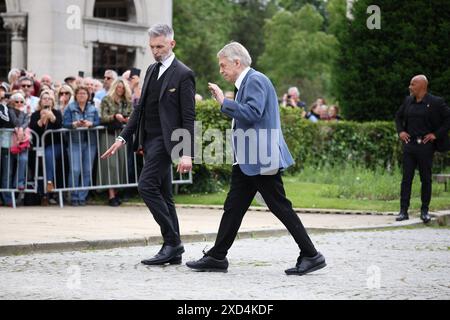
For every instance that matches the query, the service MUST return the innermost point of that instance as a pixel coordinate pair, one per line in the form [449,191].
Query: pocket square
[172,90]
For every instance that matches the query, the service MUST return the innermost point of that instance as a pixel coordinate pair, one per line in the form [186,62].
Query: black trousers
[417,156]
[242,191]
[155,187]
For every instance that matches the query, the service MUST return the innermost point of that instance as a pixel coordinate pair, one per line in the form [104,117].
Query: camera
[289,96]
[8,95]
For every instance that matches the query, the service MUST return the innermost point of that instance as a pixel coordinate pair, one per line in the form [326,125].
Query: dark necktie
[156,70]
[235,93]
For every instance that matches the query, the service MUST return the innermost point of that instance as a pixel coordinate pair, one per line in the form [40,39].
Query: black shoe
[307,264]
[114,202]
[425,216]
[403,215]
[209,264]
[167,254]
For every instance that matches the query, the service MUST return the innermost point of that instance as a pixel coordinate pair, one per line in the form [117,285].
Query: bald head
[418,86]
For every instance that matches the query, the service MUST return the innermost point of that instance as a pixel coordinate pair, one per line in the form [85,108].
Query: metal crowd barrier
[119,172]
[11,165]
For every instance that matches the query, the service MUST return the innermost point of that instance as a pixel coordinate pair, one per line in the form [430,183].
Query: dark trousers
[155,187]
[417,156]
[242,191]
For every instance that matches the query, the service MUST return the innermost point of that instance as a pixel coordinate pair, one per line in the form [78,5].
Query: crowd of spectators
[317,111]
[41,104]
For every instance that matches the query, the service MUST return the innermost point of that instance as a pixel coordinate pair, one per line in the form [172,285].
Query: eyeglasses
[108,78]
[64,93]
[20,102]
[26,86]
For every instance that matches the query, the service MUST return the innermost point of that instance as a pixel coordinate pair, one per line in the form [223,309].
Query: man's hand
[114,148]
[404,136]
[216,92]
[185,164]
[429,137]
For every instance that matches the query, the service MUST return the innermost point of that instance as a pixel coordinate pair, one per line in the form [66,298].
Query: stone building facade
[62,37]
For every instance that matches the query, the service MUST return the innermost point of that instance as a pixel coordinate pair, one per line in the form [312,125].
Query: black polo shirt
[417,122]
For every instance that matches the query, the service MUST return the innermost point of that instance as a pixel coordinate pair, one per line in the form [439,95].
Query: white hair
[294,89]
[14,71]
[236,51]
[16,96]
[113,73]
[159,30]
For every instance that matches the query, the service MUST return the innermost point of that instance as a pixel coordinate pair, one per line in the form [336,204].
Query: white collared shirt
[237,84]
[239,80]
[166,64]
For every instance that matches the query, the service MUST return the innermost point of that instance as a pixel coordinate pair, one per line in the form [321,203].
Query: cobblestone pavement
[395,264]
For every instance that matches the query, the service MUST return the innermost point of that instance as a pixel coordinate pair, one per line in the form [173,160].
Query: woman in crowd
[314,114]
[333,113]
[5,143]
[21,139]
[64,97]
[82,144]
[46,117]
[115,109]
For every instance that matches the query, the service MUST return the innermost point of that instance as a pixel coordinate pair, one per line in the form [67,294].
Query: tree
[248,20]
[297,51]
[201,29]
[295,5]
[374,66]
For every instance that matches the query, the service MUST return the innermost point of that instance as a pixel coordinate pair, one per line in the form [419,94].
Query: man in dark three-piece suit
[167,106]
[260,154]
[423,123]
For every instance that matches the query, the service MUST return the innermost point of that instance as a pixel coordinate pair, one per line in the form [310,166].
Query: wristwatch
[119,138]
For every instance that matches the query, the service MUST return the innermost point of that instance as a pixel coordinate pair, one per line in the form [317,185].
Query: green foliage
[374,67]
[297,52]
[346,181]
[337,11]
[202,28]
[294,5]
[249,18]
[321,146]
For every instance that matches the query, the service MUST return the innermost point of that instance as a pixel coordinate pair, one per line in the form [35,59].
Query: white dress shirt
[237,84]
[166,64]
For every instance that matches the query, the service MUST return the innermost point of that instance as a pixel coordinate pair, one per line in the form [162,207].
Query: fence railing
[69,160]
[17,170]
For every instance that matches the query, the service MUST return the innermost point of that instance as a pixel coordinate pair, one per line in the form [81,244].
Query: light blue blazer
[257,142]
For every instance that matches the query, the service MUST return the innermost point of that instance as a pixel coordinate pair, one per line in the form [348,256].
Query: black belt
[416,139]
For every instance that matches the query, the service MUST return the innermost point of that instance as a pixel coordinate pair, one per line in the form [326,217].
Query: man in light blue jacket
[260,154]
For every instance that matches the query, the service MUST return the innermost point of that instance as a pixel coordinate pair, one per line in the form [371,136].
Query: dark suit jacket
[176,108]
[438,117]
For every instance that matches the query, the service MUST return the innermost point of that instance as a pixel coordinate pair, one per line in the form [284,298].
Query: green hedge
[324,144]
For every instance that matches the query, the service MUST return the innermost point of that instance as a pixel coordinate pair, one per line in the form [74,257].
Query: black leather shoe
[167,254]
[425,216]
[403,215]
[209,264]
[307,264]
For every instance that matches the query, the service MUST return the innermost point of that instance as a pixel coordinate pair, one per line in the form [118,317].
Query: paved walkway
[34,229]
[391,264]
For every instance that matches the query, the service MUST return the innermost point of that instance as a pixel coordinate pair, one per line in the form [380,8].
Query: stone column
[16,23]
